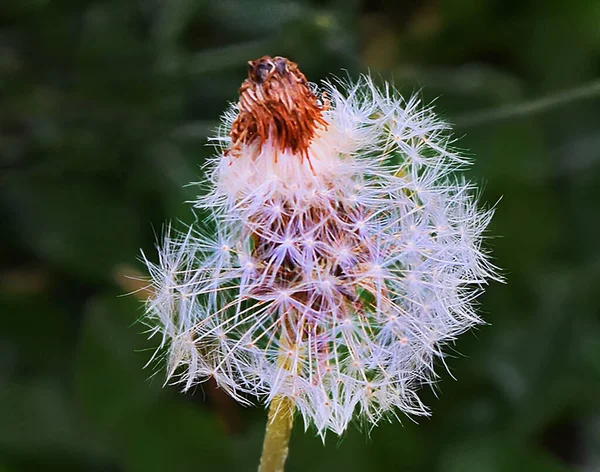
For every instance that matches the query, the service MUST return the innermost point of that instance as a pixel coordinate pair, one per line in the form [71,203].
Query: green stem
[539,105]
[277,435]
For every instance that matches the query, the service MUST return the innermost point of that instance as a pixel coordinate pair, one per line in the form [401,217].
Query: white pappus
[335,264]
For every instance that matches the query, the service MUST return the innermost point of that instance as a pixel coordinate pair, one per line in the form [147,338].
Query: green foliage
[105,109]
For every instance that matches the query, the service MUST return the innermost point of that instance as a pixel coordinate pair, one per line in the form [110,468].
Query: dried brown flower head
[277,103]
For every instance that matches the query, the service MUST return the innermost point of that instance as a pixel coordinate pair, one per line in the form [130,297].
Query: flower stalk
[277,435]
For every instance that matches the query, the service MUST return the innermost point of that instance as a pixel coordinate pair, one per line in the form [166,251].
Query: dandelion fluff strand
[345,244]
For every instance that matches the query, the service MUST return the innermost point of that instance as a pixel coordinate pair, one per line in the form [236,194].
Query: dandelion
[341,253]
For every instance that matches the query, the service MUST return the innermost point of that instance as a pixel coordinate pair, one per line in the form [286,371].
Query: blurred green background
[105,109]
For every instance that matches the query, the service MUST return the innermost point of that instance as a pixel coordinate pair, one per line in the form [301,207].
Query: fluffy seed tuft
[346,252]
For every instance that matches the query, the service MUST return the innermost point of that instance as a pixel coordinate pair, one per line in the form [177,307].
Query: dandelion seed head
[347,252]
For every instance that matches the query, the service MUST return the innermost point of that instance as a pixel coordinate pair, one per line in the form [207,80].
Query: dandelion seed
[346,254]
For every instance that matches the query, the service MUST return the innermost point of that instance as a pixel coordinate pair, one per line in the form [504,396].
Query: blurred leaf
[175,435]
[77,226]
[111,384]
[173,17]
[42,345]
[255,17]
[496,454]
[38,420]
[218,59]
